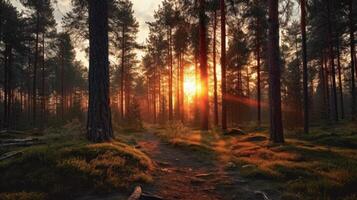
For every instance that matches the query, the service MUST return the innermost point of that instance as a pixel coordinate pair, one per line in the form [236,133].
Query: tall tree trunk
[304,64]
[6,92]
[178,88]
[99,124]
[182,88]
[127,92]
[122,75]
[11,120]
[332,63]
[203,67]
[353,60]
[29,95]
[247,79]
[148,85]
[237,115]
[327,87]
[34,85]
[276,126]
[43,98]
[259,109]
[154,96]
[197,82]
[170,75]
[223,63]
[215,100]
[62,88]
[7,85]
[340,79]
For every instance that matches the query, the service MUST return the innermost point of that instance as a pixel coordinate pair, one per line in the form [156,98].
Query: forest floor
[196,174]
[245,165]
[176,162]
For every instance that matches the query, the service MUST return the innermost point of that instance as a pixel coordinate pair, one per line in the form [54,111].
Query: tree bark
[215,69]
[99,124]
[332,63]
[43,98]
[353,60]
[259,109]
[7,86]
[122,115]
[203,67]
[62,88]
[34,84]
[327,87]
[340,79]
[170,74]
[276,126]
[182,88]
[154,96]
[304,61]
[178,88]
[223,63]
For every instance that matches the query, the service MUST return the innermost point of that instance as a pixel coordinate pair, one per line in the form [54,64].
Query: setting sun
[190,86]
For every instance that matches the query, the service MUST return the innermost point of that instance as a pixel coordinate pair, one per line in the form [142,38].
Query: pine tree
[276,126]
[99,124]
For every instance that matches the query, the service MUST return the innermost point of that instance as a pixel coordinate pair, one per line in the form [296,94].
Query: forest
[178,99]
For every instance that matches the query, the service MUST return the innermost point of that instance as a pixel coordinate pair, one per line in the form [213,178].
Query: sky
[144,11]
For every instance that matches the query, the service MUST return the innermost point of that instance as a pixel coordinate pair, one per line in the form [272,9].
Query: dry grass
[322,165]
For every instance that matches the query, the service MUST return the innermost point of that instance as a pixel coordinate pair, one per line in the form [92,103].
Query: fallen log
[10,155]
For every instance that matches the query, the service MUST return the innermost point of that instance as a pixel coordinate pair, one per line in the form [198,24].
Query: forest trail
[184,174]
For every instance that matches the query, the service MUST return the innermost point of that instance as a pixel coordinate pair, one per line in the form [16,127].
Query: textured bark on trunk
[7,86]
[178,88]
[215,100]
[332,63]
[43,98]
[62,88]
[223,63]
[182,89]
[170,74]
[304,61]
[353,59]
[6,91]
[340,79]
[127,91]
[34,84]
[197,82]
[259,112]
[327,87]
[276,126]
[203,67]
[154,96]
[99,124]
[122,75]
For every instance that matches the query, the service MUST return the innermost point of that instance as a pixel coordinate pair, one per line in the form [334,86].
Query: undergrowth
[66,167]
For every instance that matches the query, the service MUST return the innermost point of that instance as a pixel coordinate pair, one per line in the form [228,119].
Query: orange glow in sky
[190,86]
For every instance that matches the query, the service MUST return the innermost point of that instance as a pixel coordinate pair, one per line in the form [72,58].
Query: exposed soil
[185,175]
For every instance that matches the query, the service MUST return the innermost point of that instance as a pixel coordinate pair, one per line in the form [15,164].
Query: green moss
[64,170]
[198,148]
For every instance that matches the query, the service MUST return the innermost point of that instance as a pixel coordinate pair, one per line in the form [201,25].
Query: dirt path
[184,175]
